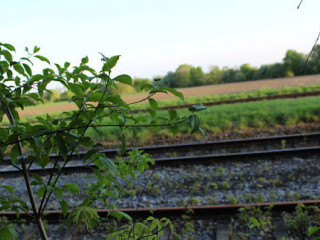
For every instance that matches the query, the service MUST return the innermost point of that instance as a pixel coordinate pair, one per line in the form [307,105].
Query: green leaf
[9,188]
[254,221]
[90,153]
[152,113]
[76,89]
[125,79]
[83,215]
[4,133]
[98,175]
[27,59]
[19,68]
[7,233]
[41,191]
[66,65]
[174,92]
[71,187]
[61,144]
[195,123]
[58,191]
[312,230]
[146,86]
[36,49]
[85,60]
[27,68]
[9,46]
[65,207]
[197,108]
[109,165]
[172,114]
[37,178]
[36,77]
[42,58]
[113,61]
[43,160]
[119,215]
[153,104]
[14,154]
[7,55]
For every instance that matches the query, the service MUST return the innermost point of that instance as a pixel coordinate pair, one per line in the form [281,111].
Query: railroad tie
[280,230]
[223,231]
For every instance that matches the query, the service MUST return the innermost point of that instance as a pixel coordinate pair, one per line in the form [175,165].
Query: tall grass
[238,116]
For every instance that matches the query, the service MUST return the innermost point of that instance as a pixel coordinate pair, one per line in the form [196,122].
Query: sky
[154,37]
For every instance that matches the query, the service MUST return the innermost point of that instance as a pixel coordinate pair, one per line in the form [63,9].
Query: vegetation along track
[202,222]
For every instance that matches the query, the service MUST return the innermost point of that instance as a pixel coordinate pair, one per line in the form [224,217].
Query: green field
[191,100]
[240,116]
[221,118]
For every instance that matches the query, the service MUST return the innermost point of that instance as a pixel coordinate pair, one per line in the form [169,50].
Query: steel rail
[315,136]
[249,99]
[202,159]
[208,211]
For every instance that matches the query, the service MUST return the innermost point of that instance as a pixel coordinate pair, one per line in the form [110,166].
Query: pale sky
[154,37]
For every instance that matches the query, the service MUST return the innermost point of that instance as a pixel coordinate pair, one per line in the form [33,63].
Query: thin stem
[45,202]
[299,4]
[26,176]
[149,96]
[144,188]
[314,45]
[99,125]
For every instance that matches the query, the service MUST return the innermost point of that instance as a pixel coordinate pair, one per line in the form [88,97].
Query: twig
[149,96]
[314,46]
[90,233]
[189,201]
[144,189]
[44,203]
[98,125]
[299,4]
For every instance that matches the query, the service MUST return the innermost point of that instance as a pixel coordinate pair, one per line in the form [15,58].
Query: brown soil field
[196,91]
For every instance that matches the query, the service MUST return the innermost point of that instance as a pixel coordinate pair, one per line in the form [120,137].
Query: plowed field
[197,91]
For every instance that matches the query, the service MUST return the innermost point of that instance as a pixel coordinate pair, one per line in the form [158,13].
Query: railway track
[243,177]
[196,211]
[218,218]
[249,99]
[293,156]
[187,160]
[284,144]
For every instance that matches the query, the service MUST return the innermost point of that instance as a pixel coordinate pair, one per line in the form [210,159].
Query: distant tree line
[293,64]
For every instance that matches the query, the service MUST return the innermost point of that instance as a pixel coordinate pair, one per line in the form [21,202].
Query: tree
[214,75]
[53,95]
[313,67]
[168,80]
[247,71]
[140,82]
[182,76]
[228,75]
[31,144]
[197,77]
[294,62]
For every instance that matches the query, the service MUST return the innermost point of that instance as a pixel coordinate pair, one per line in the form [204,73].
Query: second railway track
[273,169]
